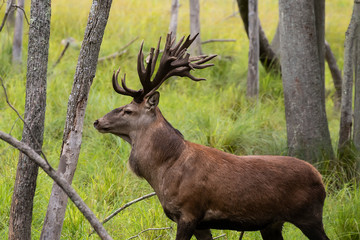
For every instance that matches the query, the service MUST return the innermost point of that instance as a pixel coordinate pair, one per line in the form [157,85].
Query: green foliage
[214,112]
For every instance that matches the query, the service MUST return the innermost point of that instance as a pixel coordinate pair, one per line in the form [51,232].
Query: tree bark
[11,17]
[26,174]
[174,18]
[18,35]
[79,203]
[335,73]
[267,56]
[302,60]
[356,134]
[253,65]
[347,85]
[85,72]
[195,48]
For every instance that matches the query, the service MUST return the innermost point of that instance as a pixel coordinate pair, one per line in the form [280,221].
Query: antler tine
[122,90]
[186,44]
[140,65]
[157,51]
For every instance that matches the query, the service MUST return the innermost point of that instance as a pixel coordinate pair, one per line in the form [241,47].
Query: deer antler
[174,62]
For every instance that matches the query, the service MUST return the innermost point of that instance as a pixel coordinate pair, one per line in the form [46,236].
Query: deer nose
[96,123]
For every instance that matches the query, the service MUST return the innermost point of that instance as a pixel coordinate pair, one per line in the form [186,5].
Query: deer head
[128,120]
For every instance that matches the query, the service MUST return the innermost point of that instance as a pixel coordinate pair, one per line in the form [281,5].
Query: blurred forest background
[215,112]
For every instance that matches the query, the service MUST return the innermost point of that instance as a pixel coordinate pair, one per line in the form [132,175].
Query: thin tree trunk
[85,72]
[195,48]
[26,174]
[18,35]
[174,18]
[303,79]
[79,203]
[267,56]
[253,66]
[11,17]
[335,73]
[347,85]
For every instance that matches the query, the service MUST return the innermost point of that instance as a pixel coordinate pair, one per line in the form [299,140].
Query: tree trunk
[253,66]
[85,72]
[174,18]
[18,34]
[302,64]
[195,48]
[347,86]
[335,73]
[25,183]
[356,134]
[267,56]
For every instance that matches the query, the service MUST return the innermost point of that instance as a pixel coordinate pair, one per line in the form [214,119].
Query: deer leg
[185,230]
[203,234]
[314,231]
[272,232]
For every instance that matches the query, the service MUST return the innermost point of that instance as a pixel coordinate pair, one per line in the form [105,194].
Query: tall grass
[215,113]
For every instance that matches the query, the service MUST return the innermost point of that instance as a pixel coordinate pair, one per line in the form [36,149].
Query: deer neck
[154,149]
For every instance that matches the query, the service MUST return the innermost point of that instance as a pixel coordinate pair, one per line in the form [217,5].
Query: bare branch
[62,54]
[22,9]
[119,53]
[220,236]
[126,206]
[149,229]
[218,40]
[65,186]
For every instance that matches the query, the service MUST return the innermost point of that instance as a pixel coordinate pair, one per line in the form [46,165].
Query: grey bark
[174,17]
[18,35]
[253,66]
[267,57]
[347,86]
[80,204]
[26,174]
[195,48]
[275,43]
[302,64]
[85,72]
[356,134]
[335,73]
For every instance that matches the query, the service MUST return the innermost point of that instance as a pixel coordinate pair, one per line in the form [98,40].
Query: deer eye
[128,112]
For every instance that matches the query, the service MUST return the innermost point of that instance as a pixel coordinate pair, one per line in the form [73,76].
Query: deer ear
[153,100]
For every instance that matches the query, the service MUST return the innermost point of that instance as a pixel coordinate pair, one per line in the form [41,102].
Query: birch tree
[18,34]
[195,48]
[26,174]
[72,138]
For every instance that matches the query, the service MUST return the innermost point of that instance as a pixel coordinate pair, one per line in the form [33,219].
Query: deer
[202,188]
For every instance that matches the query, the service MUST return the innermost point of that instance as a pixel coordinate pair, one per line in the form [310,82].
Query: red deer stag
[201,188]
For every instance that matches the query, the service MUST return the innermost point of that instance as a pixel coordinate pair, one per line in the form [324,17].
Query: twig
[220,236]
[61,181]
[119,53]
[149,229]
[62,53]
[22,9]
[126,206]
[218,40]
[25,124]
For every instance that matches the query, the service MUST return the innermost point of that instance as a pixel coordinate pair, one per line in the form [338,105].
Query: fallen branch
[65,186]
[218,40]
[119,53]
[220,236]
[126,206]
[149,229]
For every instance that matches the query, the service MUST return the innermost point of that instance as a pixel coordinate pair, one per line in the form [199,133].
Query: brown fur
[202,188]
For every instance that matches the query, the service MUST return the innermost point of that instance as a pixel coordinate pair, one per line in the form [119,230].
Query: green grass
[214,112]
